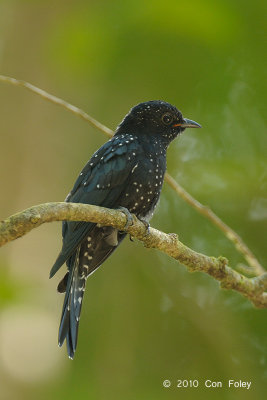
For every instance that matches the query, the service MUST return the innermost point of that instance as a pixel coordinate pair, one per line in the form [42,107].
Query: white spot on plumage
[136,165]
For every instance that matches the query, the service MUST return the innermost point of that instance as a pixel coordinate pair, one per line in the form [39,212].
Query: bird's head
[155,118]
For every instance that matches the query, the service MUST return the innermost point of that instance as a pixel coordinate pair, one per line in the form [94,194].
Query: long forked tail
[72,305]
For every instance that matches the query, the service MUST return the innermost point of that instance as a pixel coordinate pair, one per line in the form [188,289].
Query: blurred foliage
[145,319]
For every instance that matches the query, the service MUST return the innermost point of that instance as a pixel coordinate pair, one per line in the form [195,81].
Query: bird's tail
[69,324]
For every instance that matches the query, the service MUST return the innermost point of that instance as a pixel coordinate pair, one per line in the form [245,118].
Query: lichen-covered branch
[19,224]
[255,266]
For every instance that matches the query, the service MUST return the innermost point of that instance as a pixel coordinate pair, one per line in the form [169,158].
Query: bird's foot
[128,215]
[147,225]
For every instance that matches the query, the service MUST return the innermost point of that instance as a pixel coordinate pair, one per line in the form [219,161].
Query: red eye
[167,119]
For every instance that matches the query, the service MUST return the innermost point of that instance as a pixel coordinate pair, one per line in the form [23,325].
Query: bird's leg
[128,215]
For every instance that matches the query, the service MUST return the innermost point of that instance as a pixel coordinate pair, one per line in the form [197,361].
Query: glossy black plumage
[127,171]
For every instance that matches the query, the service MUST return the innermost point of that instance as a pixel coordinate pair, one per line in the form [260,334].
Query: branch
[23,222]
[255,267]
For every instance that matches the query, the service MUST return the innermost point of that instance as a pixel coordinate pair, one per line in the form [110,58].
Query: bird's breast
[144,186]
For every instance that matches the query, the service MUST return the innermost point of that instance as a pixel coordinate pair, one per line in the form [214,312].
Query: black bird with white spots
[127,171]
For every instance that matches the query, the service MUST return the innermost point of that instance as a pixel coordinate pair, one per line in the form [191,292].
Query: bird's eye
[167,119]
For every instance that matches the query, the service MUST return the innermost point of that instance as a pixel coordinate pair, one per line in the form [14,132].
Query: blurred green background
[145,318]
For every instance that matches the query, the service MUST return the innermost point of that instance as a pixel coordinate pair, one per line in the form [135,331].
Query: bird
[126,173]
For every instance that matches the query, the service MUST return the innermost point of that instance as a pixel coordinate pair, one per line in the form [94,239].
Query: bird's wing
[101,182]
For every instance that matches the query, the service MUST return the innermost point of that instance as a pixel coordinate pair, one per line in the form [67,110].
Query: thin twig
[229,233]
[256,267]
[56,100]
[19,224]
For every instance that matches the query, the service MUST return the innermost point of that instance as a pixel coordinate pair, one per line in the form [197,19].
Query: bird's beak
[188,123]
